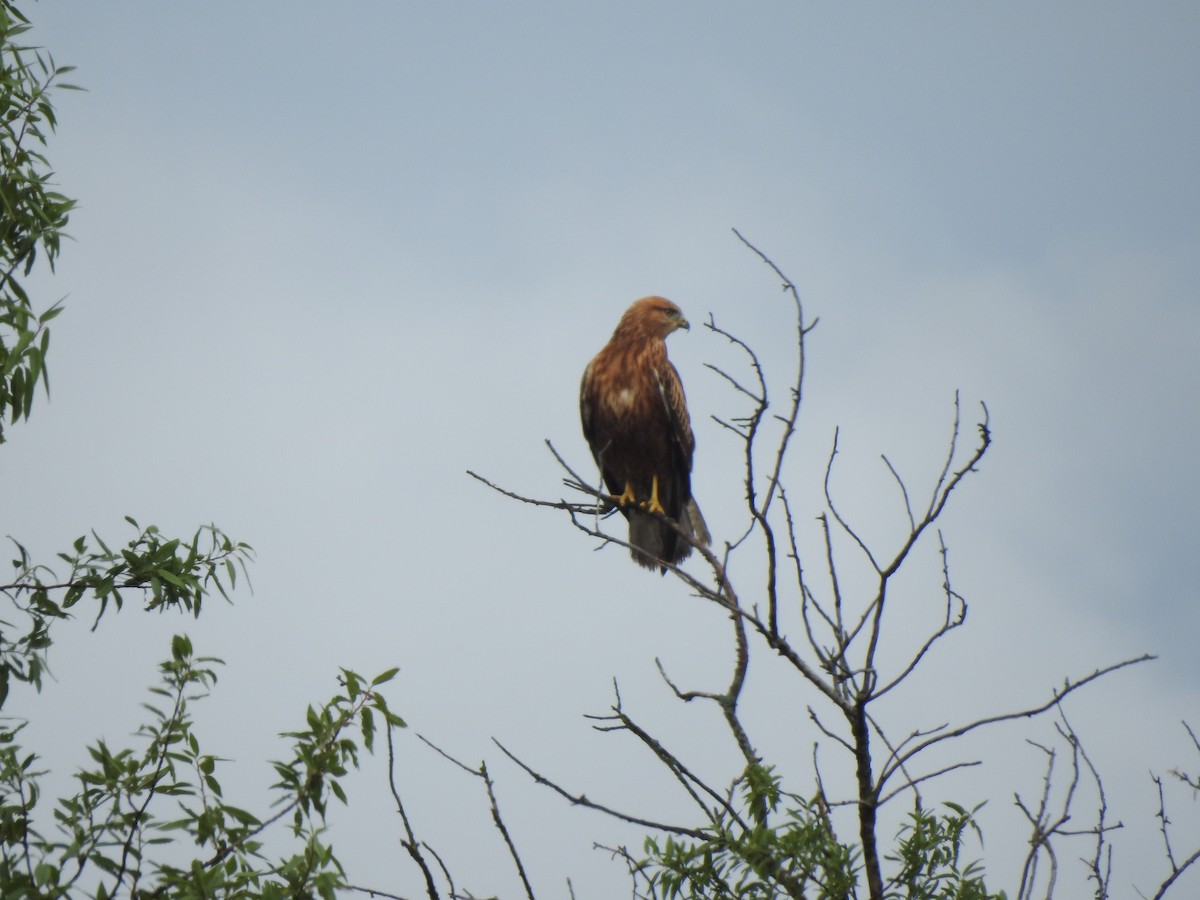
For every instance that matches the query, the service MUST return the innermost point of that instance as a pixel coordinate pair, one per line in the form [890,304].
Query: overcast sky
[327,258]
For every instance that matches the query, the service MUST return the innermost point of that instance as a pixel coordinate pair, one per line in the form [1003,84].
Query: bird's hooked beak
[683,323]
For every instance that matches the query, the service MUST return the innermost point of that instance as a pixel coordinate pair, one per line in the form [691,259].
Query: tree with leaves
[151,818]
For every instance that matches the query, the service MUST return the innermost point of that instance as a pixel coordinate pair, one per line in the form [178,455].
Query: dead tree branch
[582,800]
[843,628]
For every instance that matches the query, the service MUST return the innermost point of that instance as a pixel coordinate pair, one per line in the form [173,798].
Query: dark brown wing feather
[684,443]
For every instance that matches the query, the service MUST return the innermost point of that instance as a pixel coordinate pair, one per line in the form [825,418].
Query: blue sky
[326,262]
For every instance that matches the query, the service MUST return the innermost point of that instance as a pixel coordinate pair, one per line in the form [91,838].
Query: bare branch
[1192,781]
[434,747]
[581,800]
[409,841]
[681,772]
[912,522]
[453,892]
[374,892]
[832,735]
[500,826]
[789,421]
[482,773]
[727,702]
[842,632]
[733,382]
[635,867]
[894,752]
[937,503]
[1038,842]
[1100,864]
[928,776]
[1192,735]
[552,504]
[759,510]
[1047,825]
[749,433]
[833,510]
[721,592]
[1069,687]
[954,431]
[1179,870]
[952,620]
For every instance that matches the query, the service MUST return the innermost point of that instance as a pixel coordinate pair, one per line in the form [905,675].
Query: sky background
[329,258]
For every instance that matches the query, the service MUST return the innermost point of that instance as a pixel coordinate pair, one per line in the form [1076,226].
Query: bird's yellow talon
[653,505]
[626,497]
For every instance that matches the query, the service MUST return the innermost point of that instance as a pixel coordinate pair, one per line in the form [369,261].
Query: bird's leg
[653,504]
[626,496]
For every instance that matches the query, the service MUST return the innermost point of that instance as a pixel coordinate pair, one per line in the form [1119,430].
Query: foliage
[928,850]
[755,852]
[134,806]
[32,214]
[763,851]
[168,573]
[149,819]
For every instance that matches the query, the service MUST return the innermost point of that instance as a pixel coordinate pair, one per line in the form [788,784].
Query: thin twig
[409,841]
[582,800]
[482,773]
[503,829]
[1069,687]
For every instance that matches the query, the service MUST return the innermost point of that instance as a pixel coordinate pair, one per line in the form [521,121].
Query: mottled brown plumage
[635,420]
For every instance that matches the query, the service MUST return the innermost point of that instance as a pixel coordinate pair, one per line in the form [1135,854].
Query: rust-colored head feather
[650,318]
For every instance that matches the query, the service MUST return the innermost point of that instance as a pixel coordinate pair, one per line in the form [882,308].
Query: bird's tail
[647,540]
[654,542]
[694,522]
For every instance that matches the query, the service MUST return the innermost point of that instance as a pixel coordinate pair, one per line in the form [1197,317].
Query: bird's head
[653,316]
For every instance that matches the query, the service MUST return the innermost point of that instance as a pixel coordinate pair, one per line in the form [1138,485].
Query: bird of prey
[636,422]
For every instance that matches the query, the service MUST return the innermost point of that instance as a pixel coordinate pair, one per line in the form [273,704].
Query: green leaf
[337,791]
[181,647]
[368,728]
[385,677]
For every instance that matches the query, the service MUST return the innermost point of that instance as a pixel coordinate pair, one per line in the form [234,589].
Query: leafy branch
[32,215]
[164,573]
[130,801]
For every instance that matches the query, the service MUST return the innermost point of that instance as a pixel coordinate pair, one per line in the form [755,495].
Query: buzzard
[636,422]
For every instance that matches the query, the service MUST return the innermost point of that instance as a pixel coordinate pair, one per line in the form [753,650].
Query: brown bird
[636,421]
